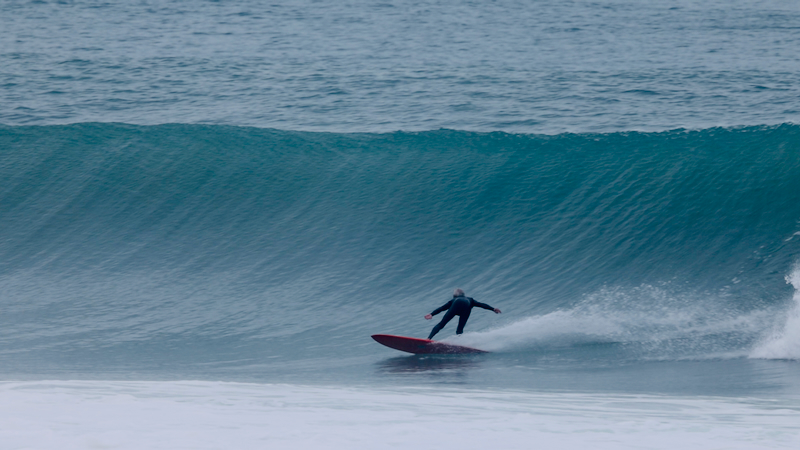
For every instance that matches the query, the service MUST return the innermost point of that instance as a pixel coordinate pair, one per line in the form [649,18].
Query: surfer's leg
[462,320]
[447,316]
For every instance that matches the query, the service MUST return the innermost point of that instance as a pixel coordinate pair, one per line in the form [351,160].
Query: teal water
[242,191]
[207,207]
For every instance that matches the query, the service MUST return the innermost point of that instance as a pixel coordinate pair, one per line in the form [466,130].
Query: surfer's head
[458,293]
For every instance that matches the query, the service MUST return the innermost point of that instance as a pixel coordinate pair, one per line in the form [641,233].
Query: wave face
[188,244]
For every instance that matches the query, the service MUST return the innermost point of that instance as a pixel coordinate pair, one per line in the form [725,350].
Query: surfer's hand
[496,311]
[428,317]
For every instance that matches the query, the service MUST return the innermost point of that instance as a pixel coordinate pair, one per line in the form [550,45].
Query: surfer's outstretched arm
[484,306]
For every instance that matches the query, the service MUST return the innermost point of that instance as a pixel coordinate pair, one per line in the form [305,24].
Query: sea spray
[784,341]
[646,322]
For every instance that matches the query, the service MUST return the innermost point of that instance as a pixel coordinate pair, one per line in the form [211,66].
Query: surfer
[460,306]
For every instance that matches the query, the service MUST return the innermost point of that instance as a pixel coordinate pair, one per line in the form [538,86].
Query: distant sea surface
[517,66]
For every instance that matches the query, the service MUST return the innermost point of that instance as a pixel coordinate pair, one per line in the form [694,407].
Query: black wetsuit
[459,306]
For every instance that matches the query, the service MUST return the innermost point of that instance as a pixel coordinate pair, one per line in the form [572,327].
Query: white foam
[69,415]
[564,326]
[784,341]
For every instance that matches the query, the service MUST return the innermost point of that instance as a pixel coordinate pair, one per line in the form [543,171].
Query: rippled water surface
[520,66]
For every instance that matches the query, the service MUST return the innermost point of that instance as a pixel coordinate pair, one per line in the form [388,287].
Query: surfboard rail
[422,346]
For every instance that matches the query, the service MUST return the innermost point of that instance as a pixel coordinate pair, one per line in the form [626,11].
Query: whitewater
[205,415]
[207,208]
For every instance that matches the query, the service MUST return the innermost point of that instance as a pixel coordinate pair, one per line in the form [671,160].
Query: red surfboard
[422,346]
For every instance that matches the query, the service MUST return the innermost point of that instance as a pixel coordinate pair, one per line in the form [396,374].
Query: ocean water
[207,208]
[541,66]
